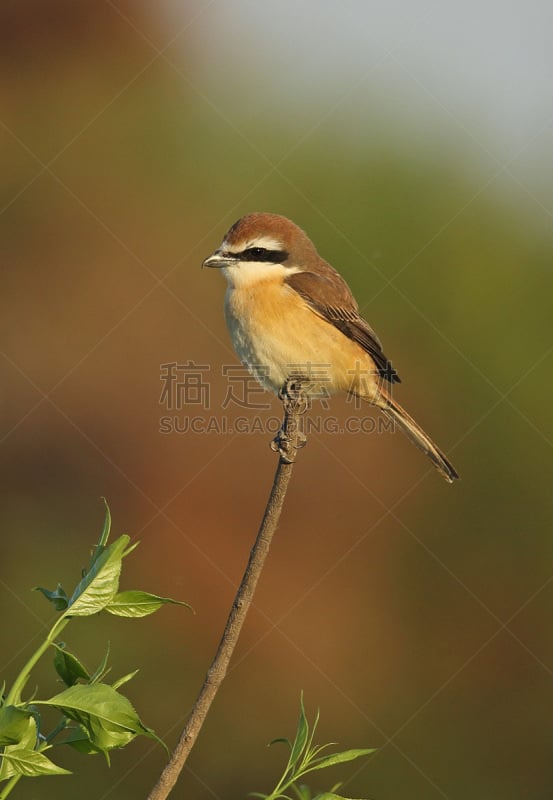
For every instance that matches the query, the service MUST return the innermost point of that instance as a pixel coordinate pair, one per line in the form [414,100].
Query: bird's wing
[317,289]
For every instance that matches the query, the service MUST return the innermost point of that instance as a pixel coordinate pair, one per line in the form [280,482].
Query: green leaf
[135,603]
[272,796]
[68,666]
[314,752]
[6,770]
[19,732]
[103,540]
[125,679]
[107,526]
[79,740]
[302,734]
[31,764]
[58,598]
[333,796]
[281,740]
[107,716]
[102,669]
[99,585]
[338,758]
[310,750]
[17,727]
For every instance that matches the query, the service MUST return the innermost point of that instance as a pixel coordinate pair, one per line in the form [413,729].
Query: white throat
[249,273]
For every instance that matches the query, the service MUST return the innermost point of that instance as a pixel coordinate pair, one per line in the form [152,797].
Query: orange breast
[275,332]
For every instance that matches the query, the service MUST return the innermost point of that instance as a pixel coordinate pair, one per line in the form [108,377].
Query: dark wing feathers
[317,288]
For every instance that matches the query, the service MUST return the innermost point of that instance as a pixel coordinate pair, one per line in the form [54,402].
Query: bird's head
[261,246]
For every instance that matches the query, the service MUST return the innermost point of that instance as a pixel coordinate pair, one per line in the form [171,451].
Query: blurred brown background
[412,144]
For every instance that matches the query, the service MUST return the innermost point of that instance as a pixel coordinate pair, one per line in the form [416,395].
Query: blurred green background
[412,142]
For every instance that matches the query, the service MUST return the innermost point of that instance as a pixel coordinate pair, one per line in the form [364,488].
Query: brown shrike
[288,311]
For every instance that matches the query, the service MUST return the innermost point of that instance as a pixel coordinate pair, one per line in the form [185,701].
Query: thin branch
[287,442]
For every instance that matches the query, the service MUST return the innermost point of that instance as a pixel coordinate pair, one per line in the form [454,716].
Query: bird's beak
[220,259]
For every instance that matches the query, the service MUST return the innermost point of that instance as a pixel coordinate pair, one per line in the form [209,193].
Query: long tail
[417,436]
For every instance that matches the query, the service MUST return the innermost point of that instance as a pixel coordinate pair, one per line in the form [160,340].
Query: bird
[288,309]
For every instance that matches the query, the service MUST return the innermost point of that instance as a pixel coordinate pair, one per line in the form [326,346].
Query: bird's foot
[290,438]
[292,396]
[287,446]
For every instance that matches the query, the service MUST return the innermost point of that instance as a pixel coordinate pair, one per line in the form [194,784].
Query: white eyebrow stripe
[264,241]
[267,242]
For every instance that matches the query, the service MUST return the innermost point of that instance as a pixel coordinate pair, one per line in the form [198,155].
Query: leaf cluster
[306,757]
[94,716]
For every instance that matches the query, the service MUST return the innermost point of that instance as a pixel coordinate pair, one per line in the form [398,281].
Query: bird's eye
[257,252]
[263,254]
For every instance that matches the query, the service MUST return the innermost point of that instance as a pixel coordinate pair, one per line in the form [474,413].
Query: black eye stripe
[263,254]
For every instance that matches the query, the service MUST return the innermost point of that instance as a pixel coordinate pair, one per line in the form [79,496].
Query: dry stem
[287,442]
